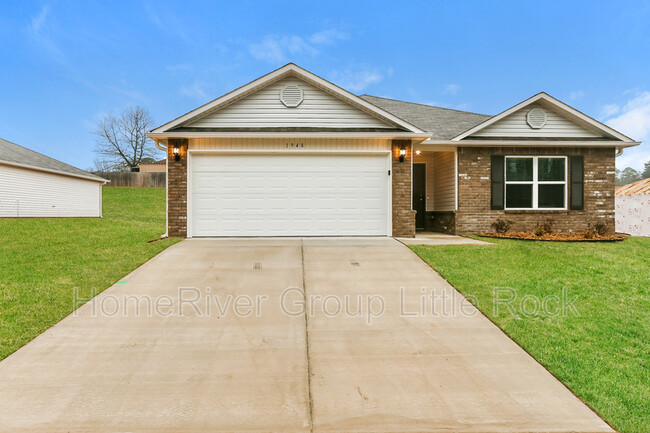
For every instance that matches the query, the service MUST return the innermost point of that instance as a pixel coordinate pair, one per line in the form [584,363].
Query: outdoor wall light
[418,152]
[402,154]
[177,153]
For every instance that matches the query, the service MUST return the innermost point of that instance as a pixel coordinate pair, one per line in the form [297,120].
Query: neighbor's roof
[441,123]
[13,154]
[639,187]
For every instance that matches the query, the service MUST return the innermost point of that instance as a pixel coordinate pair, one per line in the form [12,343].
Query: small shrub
[501,225]
[548,225]
[599,227]
[539,230]
[589,234]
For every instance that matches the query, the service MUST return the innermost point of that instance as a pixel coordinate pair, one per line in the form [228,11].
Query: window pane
[519,196]
[551,196]
[519,169]
[550,169]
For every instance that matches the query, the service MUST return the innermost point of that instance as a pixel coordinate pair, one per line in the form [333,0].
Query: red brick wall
[474,186]
[403,215]
[177,189]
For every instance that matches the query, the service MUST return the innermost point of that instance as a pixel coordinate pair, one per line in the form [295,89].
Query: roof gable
[264,109]
[559,121]
[257,105]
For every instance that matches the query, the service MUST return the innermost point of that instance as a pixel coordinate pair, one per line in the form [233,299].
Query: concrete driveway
[211,335]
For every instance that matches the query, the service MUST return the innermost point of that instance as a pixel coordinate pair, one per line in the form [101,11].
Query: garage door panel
[289,195]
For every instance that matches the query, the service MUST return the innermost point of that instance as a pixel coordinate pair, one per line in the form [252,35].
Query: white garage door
[289,195]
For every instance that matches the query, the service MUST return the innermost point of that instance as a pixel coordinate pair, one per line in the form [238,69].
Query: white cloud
[134,95]
[578,94]
[195,90]
[281,48]
[609,110]
[38,20]
[38,29]
[328,37]
[168,22]
[276,49]
[183,67]
[452,89]
[357,81]
[633,120]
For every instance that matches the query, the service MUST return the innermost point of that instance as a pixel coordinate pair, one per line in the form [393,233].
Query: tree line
[629,175]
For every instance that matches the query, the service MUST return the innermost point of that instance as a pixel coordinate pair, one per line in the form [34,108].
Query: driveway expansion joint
[308,357]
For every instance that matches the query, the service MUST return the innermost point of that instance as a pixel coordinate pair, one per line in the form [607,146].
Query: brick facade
[474,186]
[177,189]
[403,214]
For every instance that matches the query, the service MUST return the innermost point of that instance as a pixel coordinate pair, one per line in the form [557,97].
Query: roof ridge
[427,105]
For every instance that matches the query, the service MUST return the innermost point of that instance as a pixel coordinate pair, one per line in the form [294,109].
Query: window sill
[533,211]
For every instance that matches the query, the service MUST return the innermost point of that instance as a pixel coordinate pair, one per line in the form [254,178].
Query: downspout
[619,152]
[159,146]
[164,149]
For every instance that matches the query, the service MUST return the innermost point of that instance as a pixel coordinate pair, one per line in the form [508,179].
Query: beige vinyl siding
[444,174]
[280,144]
[515,125]
[264,109]
[34,193]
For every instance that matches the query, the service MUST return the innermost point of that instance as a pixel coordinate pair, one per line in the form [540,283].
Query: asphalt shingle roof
[13,153]
[442,123]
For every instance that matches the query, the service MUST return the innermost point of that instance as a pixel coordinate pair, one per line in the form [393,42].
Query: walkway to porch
[435,238]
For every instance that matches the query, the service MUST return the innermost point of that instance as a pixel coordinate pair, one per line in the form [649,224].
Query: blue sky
[65,64]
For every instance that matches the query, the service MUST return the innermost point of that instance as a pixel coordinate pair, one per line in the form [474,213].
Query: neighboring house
[633,208]
[291,154]
[154,167]
[34,185]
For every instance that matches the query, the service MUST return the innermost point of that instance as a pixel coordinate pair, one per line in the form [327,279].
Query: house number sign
[294,145]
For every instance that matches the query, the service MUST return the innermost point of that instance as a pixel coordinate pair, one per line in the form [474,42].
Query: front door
[420,194]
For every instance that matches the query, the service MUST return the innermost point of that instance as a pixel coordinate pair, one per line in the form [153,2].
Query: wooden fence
[135,180]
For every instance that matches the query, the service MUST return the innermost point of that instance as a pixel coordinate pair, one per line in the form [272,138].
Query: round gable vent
[291,96]
[536,118]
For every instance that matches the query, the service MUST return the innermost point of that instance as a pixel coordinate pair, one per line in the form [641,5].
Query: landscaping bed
[558,237]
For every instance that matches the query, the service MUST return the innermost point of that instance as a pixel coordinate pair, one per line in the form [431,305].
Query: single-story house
[35,185]
[154,167]
[292,154]
[633,208]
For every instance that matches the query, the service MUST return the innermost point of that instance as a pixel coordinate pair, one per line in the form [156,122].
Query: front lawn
[42,260]
[597,343]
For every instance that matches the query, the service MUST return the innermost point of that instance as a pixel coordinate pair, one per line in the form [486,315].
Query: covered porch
[435,188]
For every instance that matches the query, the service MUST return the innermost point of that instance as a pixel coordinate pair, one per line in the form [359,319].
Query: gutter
[396,135]
[529,143]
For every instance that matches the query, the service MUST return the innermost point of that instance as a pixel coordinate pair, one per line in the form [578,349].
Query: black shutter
[498,182]
[577,165]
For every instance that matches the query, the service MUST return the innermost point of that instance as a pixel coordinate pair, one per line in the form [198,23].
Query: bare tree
[122,143]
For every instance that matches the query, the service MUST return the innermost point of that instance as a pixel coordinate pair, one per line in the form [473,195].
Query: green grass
[43,260]
[602,353]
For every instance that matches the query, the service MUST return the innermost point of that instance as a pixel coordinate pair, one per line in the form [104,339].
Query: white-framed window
[536,182]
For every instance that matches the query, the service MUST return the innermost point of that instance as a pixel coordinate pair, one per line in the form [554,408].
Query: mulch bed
[558,237]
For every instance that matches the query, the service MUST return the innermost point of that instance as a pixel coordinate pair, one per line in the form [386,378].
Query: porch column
[177,188]
[403,214]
